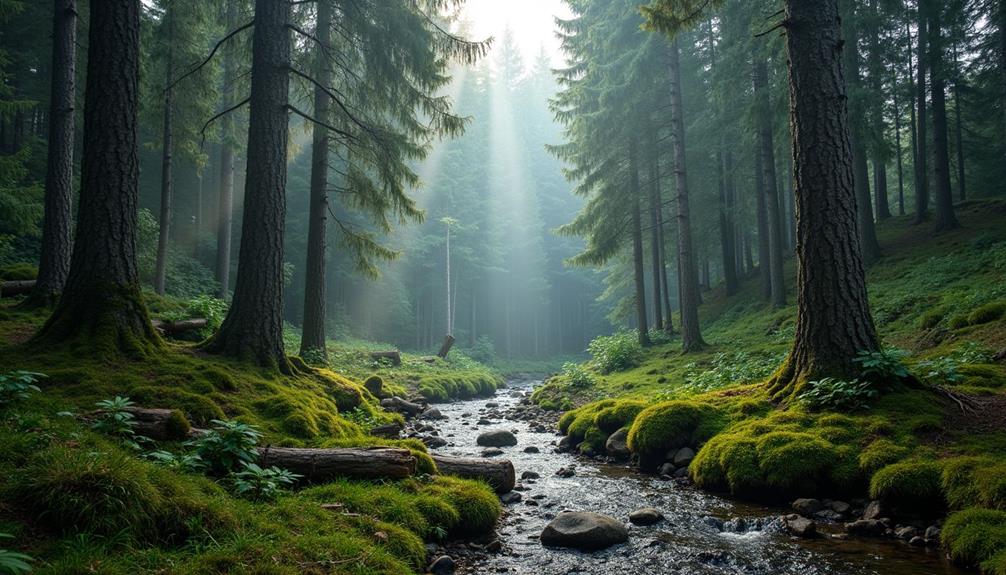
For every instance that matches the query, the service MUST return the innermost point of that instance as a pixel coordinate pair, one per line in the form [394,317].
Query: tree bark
[691,334]
[637,248]
[724,173]
[833,314]
[164,232]
[878,127]
[959,131]
[313,330]
[1002,60]
[897,146]
[225,201]
[769,181]
[761,219]
[253,328]
[101,303]
[655,252]
[945,217]
[921,153]
[498,473]
[54,263]
[322,465]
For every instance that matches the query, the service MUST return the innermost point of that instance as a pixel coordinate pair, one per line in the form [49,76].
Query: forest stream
[701,533]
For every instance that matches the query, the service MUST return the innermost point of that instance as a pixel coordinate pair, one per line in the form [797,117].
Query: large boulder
[498,438]
[807,507]
[683,457]
[617,445]
[800,526]
[585,531]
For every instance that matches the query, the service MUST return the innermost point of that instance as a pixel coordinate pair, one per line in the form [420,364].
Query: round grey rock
[498,438]
[646,516]
[585,531]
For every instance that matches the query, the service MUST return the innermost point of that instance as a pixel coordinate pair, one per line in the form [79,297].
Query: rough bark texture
[637,250]
[770,181]
[833,314]
[167,145]
[498,473]
[962,187]
[101,301]
[321,465]
[225,201]
[897,149]
[313,331]
[54,263]
[688,288]
[655,251]
[724,169]
[878,124]
[253,328]
[944,195]
[921,152]
[761,219]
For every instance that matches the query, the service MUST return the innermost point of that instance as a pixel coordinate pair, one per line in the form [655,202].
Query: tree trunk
[761,218]
[833,313]
[164,233]
[945,217]
[770,183]
[857,117]
[101,305]
[878,127]
[897,147]
[921,153]
[498,473]
[54,263]
[880,189]
[691,334]
[1002,60]
[312,340]
[959,130]
[324,465]
[728,235]
[637,248]
[666,287]
[657,264]
[253,328]
[225,203]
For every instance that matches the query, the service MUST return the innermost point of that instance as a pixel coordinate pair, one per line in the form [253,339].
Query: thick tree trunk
[770,182]
[878,126]
[637,249]
[880,189]
[962,187]
[225,201]
[54,264]
[945,217]
[323,465]
[857,139]
[1002,61]
[921,153]
[101,303]
[164,233]
[691,334]
[498,473]
[833,313]
[253,328]
[313,332]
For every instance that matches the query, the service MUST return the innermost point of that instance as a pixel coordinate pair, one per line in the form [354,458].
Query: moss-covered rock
[912,487]
[671,425]
[987,313]
[977,538]
[975,482]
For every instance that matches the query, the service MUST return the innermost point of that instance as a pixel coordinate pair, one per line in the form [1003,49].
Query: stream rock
[683,457]
[875,510]
[617,445]
[800,526]
[646,516]
[585,531]
[498,438]
[443,565]
[866,528]
[432,413]
[807,507]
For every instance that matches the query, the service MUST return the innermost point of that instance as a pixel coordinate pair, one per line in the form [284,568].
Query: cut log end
[498,473]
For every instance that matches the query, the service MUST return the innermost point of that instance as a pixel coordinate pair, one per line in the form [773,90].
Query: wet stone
[646,516]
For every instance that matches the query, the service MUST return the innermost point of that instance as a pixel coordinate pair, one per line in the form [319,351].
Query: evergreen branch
[213,52]
[202,132]
[335,98]
[312,119]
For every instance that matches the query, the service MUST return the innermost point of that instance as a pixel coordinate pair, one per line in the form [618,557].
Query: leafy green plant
[114,417]
[884,365]
[184,461]
[254,482]
[615,352]
[577,375]
[18,386]
[971,352]
[838,394]
[361,417]
[726,369]
[12,563]
[227,446]
[940,370]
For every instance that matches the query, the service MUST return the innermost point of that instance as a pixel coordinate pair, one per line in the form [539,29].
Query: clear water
[683,543]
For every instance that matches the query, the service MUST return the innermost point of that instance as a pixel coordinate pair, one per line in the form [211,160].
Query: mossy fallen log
[498,473]
[15,288]
[394,357]
[320,465]
[180,326]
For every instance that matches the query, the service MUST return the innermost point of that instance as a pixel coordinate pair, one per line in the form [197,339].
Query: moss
[220,379]
[958,322]
[301,425]
[671,425]
[987,313]
[198,409]
[982,375]
[977,538]
[18,272]
[880,453]
[975,482]
[177,426]
[477,505]
[611,419]
[931,318]
[910,486]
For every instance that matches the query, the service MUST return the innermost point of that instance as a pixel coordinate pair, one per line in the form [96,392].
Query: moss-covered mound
[672,425]
[589,426]
[444,388]
[977,538]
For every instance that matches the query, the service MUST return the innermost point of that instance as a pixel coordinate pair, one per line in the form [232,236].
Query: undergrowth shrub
[18,386]
[577,375]
[227,446]
[837,394]
[987,313]
[262,484]
[616,352]
[11,562]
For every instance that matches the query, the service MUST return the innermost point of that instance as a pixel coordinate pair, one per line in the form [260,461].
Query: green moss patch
[977,538]
[913,487]
[672,425]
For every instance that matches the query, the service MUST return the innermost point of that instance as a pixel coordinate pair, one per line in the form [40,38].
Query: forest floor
[81,494]
[924,451]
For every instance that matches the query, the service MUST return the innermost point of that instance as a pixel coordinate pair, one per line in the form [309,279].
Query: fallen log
[399,405]
[394,356]
[180,326]
[389,431]
[13,288]
[319,465]
[157,424]
[498,473]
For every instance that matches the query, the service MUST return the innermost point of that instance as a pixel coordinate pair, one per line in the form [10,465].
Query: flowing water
[689,540]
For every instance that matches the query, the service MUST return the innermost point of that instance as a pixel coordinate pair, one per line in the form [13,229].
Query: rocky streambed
[674,528]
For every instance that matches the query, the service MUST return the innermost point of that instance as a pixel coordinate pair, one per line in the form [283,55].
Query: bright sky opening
[532,23]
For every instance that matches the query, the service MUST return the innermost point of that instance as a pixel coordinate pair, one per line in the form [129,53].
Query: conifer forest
[529,287]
